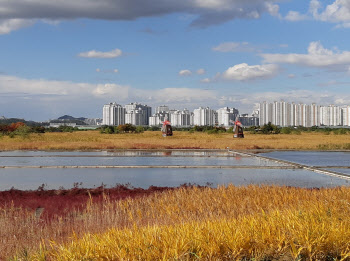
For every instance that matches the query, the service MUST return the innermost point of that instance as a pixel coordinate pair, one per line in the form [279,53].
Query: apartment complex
[141,115]
[290,114]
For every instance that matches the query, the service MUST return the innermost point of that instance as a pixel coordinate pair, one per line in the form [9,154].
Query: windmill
[237,129]
[166,128]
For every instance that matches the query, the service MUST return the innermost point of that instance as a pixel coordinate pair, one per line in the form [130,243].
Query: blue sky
[71,57]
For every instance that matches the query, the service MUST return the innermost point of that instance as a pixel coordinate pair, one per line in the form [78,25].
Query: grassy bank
[227,223]
[93,140]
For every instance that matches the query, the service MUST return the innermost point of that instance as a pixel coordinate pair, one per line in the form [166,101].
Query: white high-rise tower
[113,114]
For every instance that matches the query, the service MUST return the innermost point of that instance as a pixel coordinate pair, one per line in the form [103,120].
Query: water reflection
[27,178]
[167,158]
[125,153]
[312,158]
[55,178]
[342,170]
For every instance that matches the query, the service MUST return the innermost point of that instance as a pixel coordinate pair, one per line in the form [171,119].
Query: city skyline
[63,57]
[280,113]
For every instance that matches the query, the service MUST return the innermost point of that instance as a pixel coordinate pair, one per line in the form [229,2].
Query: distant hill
[64,119]
[69,119]
[7,121]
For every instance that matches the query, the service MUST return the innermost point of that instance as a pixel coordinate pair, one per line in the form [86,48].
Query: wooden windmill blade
[234,125]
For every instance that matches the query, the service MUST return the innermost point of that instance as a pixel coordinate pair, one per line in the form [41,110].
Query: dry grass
[227,223]
[313,234]
[91,140]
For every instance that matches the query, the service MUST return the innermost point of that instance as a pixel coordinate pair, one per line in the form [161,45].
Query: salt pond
[29,178]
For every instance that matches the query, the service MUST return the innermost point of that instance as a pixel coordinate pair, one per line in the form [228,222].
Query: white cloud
[97,54]
[291,76]
[43,99]
[107,71]
[244,72]
[19,86]
[205,12]
[294,16]
[110,90]
[314,6]
[333,83]
[297,96]
[14,86]
[9,25]
[54,96]
[343,25]
[337,12]
[245,101]
[317,56]
[344,101]
[185,73]
[235,47]
[206,80]
[179,95]
[201,71]
[241,47]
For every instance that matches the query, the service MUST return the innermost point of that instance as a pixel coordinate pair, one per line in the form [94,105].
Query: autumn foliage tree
[15,126]
[126,128]
[6,129]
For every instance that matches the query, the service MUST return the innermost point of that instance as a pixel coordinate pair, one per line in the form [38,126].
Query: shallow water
[91,160]
[312,158]
[129,153]
[27,178]
[342,170]
[55,178]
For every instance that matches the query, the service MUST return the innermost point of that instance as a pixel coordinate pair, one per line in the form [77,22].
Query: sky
[72,57]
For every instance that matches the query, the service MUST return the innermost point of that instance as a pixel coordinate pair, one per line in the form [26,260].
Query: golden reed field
[189,223]
[86,140]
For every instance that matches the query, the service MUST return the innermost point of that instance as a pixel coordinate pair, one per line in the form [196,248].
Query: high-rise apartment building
[315,115]
[330,116]
[346,116]
[277,113]
[182,118]
[137,114]
[158,118]
[265,113]
[162,108]
[113,114]
[226,115]
[204,117]
[249,120]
